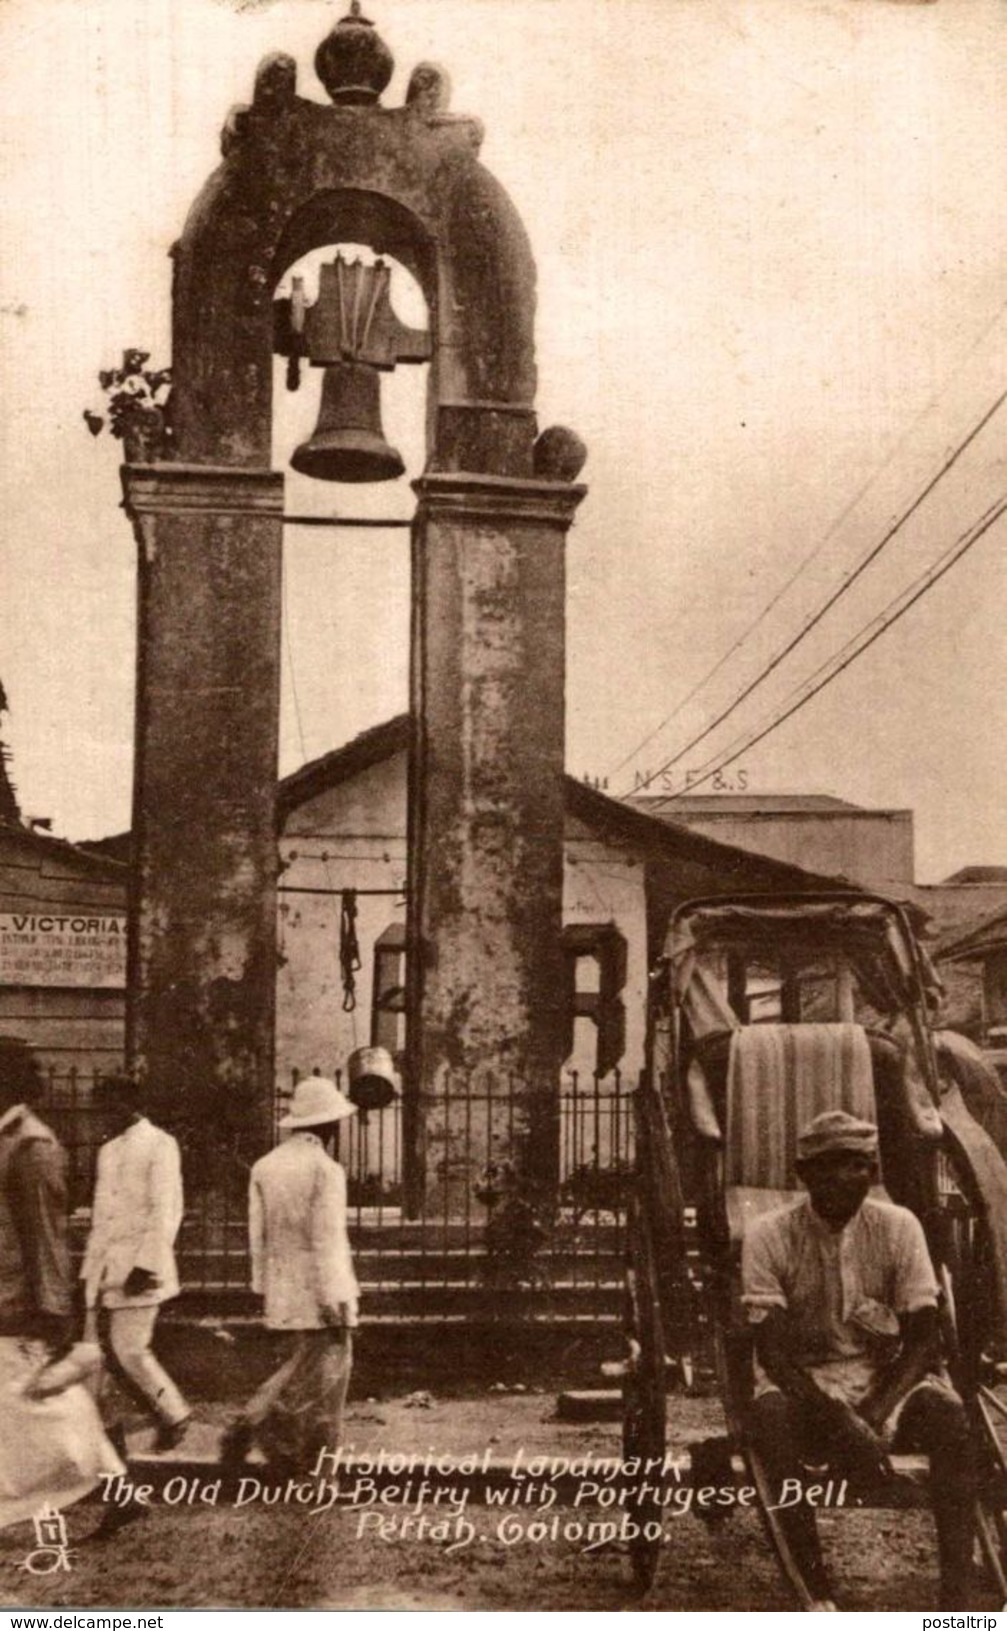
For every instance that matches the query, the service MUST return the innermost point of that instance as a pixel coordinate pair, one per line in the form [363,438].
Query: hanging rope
[349,949]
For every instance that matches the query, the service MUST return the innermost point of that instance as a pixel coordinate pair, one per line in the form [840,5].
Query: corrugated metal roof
[630,820]
[745,804]
[61,849]
[613,817]
[979,874]
[958,912]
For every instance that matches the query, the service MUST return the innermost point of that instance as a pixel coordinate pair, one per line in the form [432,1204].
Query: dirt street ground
[260,1556]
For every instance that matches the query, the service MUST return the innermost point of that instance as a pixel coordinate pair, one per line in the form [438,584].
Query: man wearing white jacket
[129,1265]
[301,1266]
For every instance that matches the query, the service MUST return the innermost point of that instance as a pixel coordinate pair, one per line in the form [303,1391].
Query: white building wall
[354,837]
[350,837]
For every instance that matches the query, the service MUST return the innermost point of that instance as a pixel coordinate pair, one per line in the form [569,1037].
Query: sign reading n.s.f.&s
[62,948]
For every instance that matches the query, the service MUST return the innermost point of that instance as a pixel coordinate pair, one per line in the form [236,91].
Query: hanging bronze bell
[348,442]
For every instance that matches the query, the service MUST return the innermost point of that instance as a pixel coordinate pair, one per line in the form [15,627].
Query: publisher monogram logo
[51,1551]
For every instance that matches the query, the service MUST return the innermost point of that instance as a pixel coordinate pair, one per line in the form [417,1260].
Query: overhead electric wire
[809,559]
[285,619]
[839,661]
[854,648]
[847,583]
[772,604]
[924,581]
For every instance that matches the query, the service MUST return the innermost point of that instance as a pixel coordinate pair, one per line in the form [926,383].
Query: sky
[771,239]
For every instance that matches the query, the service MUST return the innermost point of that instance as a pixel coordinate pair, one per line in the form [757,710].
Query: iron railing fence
[466,1128]
[437,1226]
[67,1104]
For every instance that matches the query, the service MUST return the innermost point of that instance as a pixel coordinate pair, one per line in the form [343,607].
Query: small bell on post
[373,1083]
[352,332]
[348,442]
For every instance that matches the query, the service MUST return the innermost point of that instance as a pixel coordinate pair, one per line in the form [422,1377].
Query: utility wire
[964,541]
[808,560]
[846,583]
[288,642]
[771,605]
[853,649]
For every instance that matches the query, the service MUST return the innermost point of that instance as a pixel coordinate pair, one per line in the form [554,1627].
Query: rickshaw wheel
[968,1300]
[644,1401]
[728,1367]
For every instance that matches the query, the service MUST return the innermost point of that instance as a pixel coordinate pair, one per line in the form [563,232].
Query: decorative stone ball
[353,62]
[429,89]
[275,80]
[559,454]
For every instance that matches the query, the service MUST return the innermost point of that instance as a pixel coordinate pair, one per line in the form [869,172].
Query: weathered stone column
[486,802]
[202,951]
[486,823]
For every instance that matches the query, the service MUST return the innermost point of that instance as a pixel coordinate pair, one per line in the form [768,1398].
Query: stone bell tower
[487,646]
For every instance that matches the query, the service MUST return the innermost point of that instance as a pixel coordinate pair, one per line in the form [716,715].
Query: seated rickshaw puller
[842,1295]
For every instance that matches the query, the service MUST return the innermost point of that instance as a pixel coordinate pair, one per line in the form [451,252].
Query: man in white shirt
[129,1265]
[302,1268]
[842,1295]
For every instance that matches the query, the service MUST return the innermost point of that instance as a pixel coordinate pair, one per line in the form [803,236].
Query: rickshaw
[765,1012]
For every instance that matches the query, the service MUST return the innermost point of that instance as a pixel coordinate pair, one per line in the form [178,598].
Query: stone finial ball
[429,89]
[559,454]
[275,80]
[353,62]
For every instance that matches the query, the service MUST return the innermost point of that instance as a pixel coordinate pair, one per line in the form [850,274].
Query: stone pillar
[202,949]
[486,825]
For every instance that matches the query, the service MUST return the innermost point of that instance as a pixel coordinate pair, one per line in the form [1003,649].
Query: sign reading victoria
[62,948]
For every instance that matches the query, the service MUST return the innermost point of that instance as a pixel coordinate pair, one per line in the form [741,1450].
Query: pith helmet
[315,1102]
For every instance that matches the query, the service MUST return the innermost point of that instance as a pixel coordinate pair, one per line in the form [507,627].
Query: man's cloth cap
[836,1130]
[316,1102]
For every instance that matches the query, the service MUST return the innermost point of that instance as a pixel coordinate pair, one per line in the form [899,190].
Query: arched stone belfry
[487,641]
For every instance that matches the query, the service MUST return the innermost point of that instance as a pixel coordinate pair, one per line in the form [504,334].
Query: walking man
[842,1295]
[301,1266]
[129,1265]
[52,1451]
